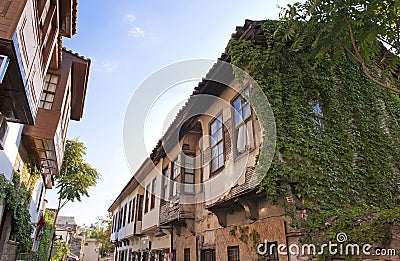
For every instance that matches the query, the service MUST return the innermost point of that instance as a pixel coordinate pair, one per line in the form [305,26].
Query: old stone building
[196,197]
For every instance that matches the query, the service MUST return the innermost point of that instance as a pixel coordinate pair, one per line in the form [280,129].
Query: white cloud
[136,32]
[106,67]
[109,67]
[130,17]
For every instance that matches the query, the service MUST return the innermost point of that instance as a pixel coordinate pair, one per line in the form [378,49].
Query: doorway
[208,255]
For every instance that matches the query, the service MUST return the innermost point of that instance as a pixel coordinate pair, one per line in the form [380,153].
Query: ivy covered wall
[16,198]
[338,136]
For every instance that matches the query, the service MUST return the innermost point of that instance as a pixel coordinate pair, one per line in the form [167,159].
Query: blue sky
[128,40]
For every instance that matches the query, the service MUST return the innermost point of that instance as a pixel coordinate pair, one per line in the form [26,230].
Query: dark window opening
[186,254]
[233,253]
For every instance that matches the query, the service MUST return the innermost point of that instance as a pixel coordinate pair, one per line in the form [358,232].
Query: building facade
[43,87]
[73,236]
[198,197]
[91,250]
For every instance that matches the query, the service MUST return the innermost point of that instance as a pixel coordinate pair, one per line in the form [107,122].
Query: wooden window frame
[140,208]
[244,120]
[44,103]
[147,199]
[217,143]
[175,175]
[186,254]
[165,178]
[153,194]
[232,254]
[192,172]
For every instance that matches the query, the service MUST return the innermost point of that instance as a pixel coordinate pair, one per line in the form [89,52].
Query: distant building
[91,250]
[68,230]
[43,88]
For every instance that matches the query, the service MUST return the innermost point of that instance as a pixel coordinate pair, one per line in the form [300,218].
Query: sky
[128,40]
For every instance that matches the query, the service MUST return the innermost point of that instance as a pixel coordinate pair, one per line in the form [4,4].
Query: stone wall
[272,231]
[9,251]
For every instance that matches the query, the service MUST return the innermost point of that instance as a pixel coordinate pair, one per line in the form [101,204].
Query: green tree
[102,233]
[62,250]
[75,179]
[356,27]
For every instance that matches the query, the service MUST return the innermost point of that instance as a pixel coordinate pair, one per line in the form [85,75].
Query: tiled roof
[199,89]
[250,30]
[77,55]
[74,16]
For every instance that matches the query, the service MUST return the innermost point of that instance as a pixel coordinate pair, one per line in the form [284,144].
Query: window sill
[247,152]
[217,171]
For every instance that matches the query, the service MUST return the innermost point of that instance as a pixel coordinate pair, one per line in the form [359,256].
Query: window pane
[237,104]
[54,79]
[219,121]
[165,174]
[50,97]
[214,139]
[51,88]
[189,162]
[233,254]
[186,254]
[214,152]
[238,118]
[214,127]
[214,164]
[189,178]
[216,142]
[47,106]
[175,169]
[221,160]
[219,137]
[246,111]
[174,188]
[153,186]
[220,148]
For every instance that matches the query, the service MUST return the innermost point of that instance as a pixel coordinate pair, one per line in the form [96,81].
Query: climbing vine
[338,136]
[45,237]
[17,199]
[31,173]
[244,234]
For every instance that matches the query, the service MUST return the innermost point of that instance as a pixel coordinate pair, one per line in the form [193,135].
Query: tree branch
[63,204]
[357,55]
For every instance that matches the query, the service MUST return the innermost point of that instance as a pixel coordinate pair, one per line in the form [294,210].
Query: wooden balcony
[46,138]
[244,195]
[251,182]
[172,212]
[46,149]
[48,181]
[17,99]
